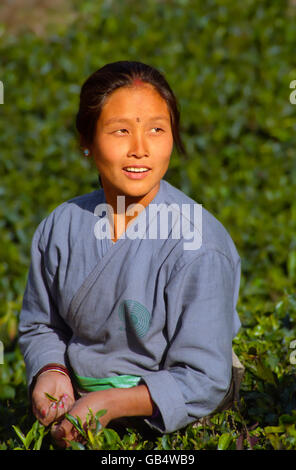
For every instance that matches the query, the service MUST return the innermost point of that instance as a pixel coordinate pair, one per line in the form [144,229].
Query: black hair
[109,78]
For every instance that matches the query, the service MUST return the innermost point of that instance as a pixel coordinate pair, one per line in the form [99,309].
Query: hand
[58,386]
[119,402]
[64,432]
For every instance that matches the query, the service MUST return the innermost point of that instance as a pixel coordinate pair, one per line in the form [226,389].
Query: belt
[92,384]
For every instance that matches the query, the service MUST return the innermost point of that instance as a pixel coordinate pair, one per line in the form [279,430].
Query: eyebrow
[155,118]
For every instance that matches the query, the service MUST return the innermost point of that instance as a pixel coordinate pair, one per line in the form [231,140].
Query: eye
[121,131]
[157,130]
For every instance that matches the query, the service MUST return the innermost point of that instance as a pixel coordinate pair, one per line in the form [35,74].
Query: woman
[119,313]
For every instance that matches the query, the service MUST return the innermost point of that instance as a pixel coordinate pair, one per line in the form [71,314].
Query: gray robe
[148,306]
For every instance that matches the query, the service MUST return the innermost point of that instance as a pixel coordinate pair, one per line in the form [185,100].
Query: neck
[121,218]
[119,209]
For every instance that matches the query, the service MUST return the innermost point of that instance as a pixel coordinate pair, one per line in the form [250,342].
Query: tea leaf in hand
[51,398]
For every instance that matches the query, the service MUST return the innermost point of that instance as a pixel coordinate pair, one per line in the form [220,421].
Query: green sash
[91,384]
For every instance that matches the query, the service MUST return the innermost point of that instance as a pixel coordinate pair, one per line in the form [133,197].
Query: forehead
[139,100]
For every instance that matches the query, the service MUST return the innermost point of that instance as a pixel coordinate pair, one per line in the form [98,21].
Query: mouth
[136,171]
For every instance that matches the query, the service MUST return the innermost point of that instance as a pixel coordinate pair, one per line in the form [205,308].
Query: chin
[136,192]
[136,188]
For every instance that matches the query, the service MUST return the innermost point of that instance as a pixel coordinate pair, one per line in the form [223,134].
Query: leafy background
[230,64]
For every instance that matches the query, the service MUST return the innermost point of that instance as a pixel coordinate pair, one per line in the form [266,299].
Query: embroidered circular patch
[135,317]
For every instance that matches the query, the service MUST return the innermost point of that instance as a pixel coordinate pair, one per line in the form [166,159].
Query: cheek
[108,150]
[164,150]
[169,143]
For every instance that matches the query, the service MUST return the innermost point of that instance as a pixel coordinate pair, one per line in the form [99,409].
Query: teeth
[137,170]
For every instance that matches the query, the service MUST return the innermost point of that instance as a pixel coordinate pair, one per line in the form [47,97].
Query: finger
[63,433]
[40,411]
[58,434]
[62,406]
[66,402]
[55,410]
[51,413]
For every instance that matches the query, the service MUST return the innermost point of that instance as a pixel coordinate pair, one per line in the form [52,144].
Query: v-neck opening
[108,243]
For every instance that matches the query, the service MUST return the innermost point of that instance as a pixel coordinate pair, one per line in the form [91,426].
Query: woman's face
[133,141]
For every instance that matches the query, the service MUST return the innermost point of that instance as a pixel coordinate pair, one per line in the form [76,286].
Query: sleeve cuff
[44,359]
[167,397]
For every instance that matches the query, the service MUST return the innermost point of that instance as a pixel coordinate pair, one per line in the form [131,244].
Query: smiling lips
[137,168]
[136,171]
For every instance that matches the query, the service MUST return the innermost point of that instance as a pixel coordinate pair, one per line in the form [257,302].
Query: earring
[86,152]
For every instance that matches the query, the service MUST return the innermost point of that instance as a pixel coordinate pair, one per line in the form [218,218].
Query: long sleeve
[43,335]
[201,323]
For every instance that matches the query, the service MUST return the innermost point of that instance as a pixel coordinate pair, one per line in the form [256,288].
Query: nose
[138,146]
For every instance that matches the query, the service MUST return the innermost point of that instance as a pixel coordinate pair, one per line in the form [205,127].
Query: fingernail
[43,412]
[54,405]
[61,405]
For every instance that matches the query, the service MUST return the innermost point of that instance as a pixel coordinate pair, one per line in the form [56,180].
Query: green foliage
[230,65]
[33,438]
[97,438]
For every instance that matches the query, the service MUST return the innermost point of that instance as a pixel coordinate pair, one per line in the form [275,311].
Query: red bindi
[137,82]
